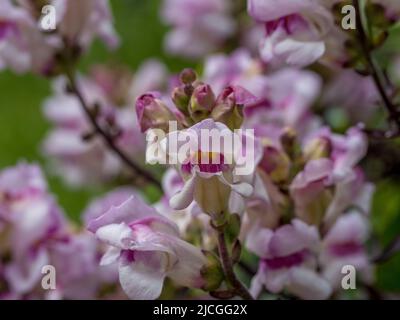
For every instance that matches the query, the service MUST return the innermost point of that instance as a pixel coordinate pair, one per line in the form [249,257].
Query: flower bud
[152,112]
[202,102]
[229,106]
[289,142]
[318,148]
[181,99]
[188,76]
[275,163]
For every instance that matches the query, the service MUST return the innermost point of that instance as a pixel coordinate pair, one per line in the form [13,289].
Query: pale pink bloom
[348,90]
[27,208]
[314,199]
[284,97]
[288,261]
[209,171]
[22,45]
[199,27]
[79,275]
[79,22]
[285,100]
[343,245]
[238,68]
[294,30]
[147,248]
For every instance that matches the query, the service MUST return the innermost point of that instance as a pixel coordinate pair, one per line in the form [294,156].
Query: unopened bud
[181,100]
[275,163]
[289,142]
[188,76]
[229,106]
[318,148]
[153,113]
[202,102]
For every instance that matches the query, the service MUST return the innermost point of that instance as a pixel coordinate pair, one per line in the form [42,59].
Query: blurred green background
[22,126]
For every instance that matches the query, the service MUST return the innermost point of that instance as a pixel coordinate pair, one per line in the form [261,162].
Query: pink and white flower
[209,171]
[344,244]
[314,199]
[22,45]
[294,30]
[147,248]
[288,261]
[199,27]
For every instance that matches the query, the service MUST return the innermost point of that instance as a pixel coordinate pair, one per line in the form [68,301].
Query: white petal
[140,281]
[111,255]
[306,284]
[184,198]
[113,234]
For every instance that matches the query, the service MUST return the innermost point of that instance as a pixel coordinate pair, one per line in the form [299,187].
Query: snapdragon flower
[288,261]
[210,179]
[147,248]
[199,27]
[35,234]
[295,30]
[24,46]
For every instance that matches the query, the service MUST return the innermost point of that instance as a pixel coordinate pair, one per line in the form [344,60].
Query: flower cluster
[26,47]
[260,175]
[35,233]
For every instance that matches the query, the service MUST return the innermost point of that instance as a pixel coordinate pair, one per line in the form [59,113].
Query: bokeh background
[22,125]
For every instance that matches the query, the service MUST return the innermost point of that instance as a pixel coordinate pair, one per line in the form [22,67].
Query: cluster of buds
[192,102]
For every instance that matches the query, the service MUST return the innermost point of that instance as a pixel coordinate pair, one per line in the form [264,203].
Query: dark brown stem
[227,266]
[375,69]
[108,139]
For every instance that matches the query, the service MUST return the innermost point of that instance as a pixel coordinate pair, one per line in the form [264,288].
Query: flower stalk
[227,265]
[108,139]
[378,78]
